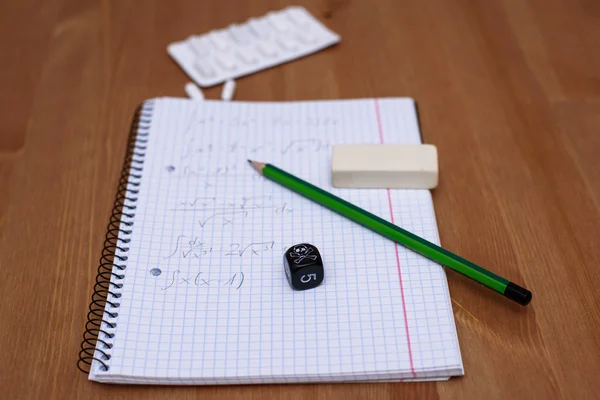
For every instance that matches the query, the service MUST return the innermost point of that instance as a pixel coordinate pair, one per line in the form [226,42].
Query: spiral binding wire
[104,305]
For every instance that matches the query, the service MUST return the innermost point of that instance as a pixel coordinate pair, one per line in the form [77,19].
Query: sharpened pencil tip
[258,166]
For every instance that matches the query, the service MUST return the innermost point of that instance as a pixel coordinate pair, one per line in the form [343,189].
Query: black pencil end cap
[518,294]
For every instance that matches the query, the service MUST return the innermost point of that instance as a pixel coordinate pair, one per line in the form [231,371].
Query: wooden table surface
[509,92]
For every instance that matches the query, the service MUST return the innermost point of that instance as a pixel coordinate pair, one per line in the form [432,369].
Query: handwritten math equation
[203,280]
[211,171]
[308,145]
[243,204]
[276,121]
[186,247]
[211,211]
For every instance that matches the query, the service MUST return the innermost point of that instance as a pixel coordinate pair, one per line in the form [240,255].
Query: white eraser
[393,166]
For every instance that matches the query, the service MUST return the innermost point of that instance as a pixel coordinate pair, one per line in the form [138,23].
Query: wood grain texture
[508,90]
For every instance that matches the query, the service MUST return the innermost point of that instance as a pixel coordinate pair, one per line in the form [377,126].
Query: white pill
[198,46]
[297,16]
[204,68]
[266,49]
[246,56]
[218,41]
[277,22]
[193,91]
[226,62]
[306,37]
[395,166]
[239,34]
[228,90]
[258,28]
[287,43]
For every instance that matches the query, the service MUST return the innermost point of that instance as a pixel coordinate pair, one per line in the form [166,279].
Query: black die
[303,266]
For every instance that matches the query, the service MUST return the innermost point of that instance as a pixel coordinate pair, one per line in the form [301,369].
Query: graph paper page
[205,298]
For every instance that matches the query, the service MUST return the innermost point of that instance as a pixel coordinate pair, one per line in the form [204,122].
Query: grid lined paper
[205,299]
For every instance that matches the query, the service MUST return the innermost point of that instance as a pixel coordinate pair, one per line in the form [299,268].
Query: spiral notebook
[191,287]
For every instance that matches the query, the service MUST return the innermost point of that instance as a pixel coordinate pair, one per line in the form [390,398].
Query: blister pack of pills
[257,44]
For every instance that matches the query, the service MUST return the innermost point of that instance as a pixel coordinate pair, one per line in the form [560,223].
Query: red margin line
[412,365]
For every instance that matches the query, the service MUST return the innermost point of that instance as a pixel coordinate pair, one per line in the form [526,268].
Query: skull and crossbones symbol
[302,252]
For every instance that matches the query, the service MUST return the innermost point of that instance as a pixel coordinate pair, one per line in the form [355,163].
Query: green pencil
[395,233]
